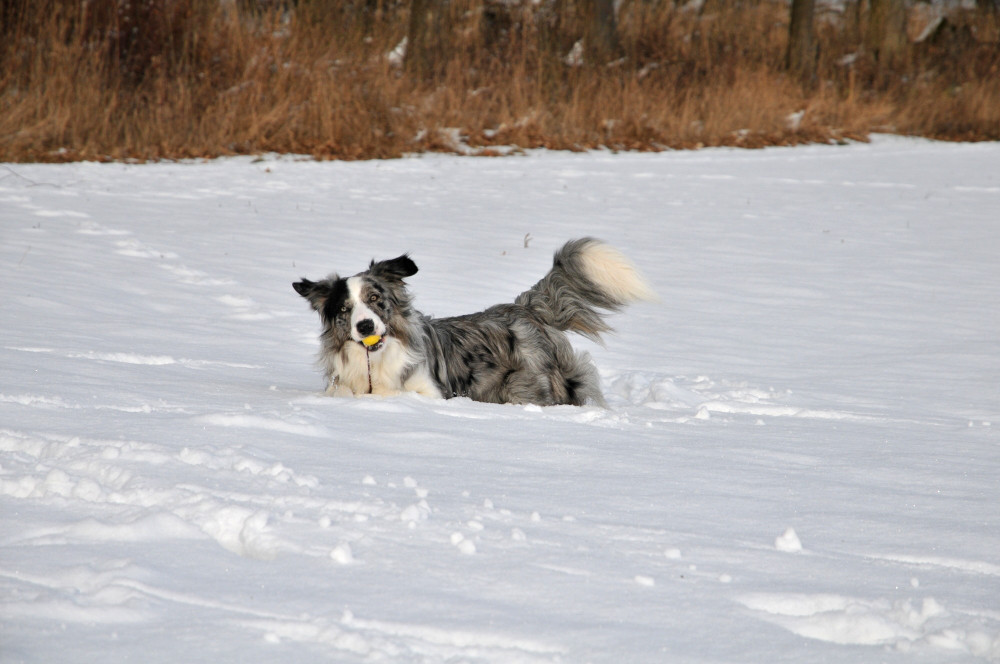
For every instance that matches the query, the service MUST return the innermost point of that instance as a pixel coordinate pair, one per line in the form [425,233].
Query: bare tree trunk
[601,40]
[421,42]
[886,37]
[802,51]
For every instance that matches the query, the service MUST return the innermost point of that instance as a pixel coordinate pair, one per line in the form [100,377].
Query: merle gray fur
[510,353]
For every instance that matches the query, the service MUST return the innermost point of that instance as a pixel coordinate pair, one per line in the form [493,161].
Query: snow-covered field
[800,462]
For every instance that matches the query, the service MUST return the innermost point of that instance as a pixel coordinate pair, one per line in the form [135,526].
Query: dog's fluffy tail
[587,276]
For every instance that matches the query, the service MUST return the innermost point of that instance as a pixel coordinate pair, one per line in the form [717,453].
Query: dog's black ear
[303,287]
[397,268]
[316,293]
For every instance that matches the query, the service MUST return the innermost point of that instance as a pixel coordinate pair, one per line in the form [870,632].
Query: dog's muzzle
[373,342]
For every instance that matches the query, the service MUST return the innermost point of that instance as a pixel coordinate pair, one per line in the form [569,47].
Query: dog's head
[371,304]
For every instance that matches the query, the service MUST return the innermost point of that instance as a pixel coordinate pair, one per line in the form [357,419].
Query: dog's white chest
[380,372]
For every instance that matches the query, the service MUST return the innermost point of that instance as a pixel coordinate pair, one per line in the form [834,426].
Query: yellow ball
[372,340]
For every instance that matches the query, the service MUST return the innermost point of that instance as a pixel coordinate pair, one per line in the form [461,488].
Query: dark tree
[802,49]
[423,38]
[601,40]
[886,35]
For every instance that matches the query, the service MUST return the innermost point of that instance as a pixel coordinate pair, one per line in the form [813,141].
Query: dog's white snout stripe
[361,314]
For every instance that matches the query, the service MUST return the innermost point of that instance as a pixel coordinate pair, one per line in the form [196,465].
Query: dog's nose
[366,327]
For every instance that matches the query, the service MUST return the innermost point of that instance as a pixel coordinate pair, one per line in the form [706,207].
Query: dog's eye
[343,309]
[373,297]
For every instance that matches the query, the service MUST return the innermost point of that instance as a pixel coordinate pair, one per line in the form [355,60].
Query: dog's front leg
[338,389]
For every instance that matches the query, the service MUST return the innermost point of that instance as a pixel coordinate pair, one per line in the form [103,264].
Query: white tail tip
[616,274]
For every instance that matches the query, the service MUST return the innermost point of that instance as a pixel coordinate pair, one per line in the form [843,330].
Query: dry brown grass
[199,78]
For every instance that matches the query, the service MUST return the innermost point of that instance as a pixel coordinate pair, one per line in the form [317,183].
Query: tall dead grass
[154,79]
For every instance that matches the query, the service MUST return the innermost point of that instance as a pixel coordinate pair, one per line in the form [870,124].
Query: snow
[789,542]
[799,462]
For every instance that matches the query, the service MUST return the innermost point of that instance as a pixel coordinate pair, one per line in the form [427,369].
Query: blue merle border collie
[375,342]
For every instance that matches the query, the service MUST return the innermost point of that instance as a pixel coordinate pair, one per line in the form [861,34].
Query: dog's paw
[338,390]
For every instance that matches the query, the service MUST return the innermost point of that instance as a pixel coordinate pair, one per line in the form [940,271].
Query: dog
[375,342]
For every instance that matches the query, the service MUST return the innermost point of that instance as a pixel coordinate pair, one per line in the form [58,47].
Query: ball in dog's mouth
[372,342]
